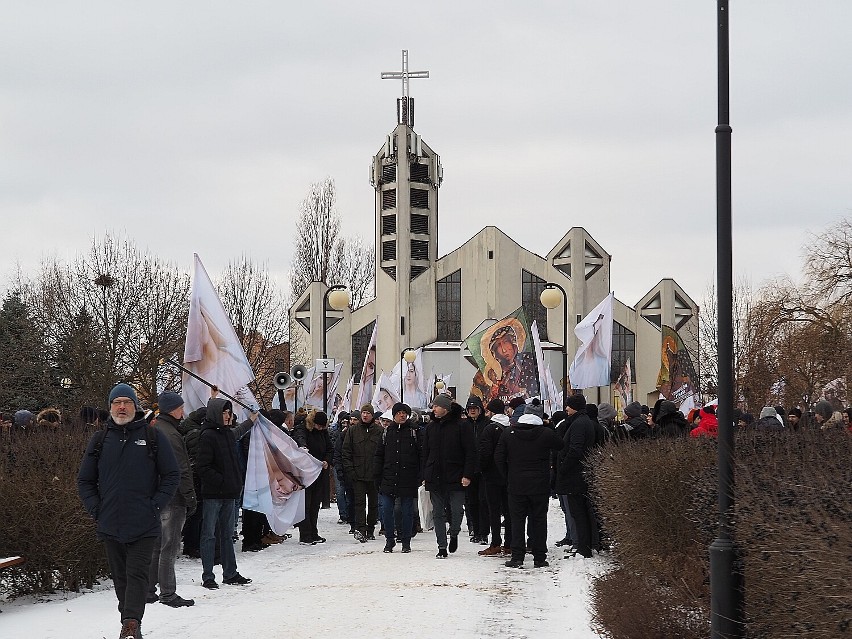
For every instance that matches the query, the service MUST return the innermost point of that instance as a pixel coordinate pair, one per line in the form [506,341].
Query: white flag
[415,384]
[387,393]
[212,350]
[314,387]
[347,396]
[591,365]
[276,475]
[545,382]
[368,372]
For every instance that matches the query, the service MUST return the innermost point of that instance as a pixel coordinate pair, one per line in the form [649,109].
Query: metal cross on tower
[404,75]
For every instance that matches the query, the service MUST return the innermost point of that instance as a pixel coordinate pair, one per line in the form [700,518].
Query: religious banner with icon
[677,379]
[506,359]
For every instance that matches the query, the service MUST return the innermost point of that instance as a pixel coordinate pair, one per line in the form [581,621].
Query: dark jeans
[498,504]
[344,498]
[570,527]
[476,507]
[366,499]
[313,500]
[218,513]
[129,565]
[389,519]
[192,530]
[165,552]
[579,507]
[534,508]
[441,499]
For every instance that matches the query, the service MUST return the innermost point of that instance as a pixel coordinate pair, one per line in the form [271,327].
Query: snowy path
[340,588]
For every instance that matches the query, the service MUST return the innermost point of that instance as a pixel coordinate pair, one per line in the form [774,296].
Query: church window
[420,173]
[389,199]
[388,224]
[419,199]
[419,223]
[623,348]
[419,250]
[360,342]
[532,286]
[448,306]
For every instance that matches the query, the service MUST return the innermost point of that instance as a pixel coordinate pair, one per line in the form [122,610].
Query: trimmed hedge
[657,500]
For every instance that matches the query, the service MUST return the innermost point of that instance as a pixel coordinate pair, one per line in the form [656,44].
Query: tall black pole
[726,610]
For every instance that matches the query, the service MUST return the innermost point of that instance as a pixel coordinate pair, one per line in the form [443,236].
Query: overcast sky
[199,126]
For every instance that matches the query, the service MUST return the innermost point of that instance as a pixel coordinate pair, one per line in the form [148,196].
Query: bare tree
[828,262]
[258,312]
[357,270]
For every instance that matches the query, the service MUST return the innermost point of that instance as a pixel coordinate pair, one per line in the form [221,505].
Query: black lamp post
[407,356]
[337,298]
[726,592]
[549,299]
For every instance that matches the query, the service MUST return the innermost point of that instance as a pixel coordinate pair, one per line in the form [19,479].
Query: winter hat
[443,401]
[367,407]
[530,418]
[388,415]
[474,402]
[23,418]
[557,417]
[823,408]
[534,408]
[577,402]
[496,406]
[276,416]
[518,413]
[515,402]
[633,409]
[320,418]
[342,415]
[645,410]
[169,401]
[711,409]
[767,411]
[606,411]
[123,390]
[795,411]
[592,411]
[399,406]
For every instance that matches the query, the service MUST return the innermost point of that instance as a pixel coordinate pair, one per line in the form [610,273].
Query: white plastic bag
[424,505]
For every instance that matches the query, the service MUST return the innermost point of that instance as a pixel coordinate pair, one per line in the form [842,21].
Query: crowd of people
[165,483]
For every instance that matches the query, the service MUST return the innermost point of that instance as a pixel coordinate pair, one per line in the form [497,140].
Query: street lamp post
[407,356]
[439,386]
[337,298]
[726,593]
[550,299]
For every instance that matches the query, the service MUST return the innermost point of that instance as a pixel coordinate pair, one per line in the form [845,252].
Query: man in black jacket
[475,501]
[173,516]
[449,461]
[221,484]
[495,482]
[359,458]
[579,441]
[314,432]
[523,458]
[124,484]
[398,475]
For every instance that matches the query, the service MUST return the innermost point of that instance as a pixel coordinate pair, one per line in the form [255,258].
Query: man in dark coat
[124,485]
[221,484]
[523,458]
[173,516]
[475,501]
[190,430]
[579,441]
[561,422]
[495,482]
[314,432]
[449,461]
[359,458]
[670,421]
[398,474]
[636,426]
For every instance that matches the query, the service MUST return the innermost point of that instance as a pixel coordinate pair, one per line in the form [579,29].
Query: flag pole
[204,381]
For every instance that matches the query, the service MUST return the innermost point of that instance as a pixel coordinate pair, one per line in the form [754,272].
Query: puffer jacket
[218,461]
[359,450]
[398,460]
[449,451]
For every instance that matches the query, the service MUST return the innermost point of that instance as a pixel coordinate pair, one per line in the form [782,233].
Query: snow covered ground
[343,588]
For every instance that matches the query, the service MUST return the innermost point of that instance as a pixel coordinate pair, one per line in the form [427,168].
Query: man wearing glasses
[127,476]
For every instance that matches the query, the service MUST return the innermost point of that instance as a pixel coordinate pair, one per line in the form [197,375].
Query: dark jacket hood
[215,406]
[666,408]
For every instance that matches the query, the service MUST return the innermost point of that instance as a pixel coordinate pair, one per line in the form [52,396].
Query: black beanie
[496,406]
[399,406]
[474,402]
[577,402]
[320,418]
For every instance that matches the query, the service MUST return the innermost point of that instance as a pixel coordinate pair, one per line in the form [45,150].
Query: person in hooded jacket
[768,421]
[671,422]
[708,426]
[449,462]
[358,456]
[561,422]
[219,467]
[475,501]
[579,441]
[523,458]
[398,475]
[124,484]
[635,426]
[314,432]
[494,481]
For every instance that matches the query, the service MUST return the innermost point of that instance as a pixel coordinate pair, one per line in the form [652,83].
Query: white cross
[405,74]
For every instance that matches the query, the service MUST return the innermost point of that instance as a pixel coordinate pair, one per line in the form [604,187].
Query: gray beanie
[633,409]
[23,418]
[823,408]
[443,401]
[606,411]
[536,409]
[767,411]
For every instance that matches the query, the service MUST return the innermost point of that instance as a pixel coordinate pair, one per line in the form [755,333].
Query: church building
[432,301]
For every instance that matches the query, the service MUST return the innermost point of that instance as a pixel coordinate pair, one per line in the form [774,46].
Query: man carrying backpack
[128,475]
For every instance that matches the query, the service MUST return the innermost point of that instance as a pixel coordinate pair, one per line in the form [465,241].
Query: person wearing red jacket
[708,426]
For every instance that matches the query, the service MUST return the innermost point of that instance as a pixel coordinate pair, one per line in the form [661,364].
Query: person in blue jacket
[128,474]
